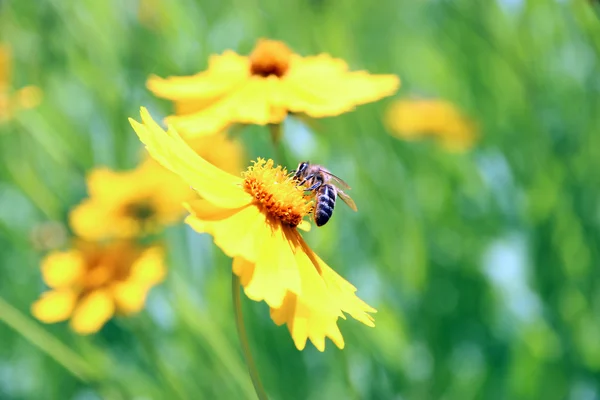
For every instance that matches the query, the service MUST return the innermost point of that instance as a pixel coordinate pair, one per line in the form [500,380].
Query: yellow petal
[221,150]
[149,268]
[275,271]
[321,86]
[92,312]
[236,232]
[61,269]
[173,153]
[248,104]
[313,313]
[244,269]
[199,123]
[54,306]
[207,211]
[130,296]
[253,106]
[89,220]
[224,73]
[344,294]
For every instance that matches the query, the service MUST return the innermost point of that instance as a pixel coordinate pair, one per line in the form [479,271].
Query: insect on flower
[255,219]
[326,187]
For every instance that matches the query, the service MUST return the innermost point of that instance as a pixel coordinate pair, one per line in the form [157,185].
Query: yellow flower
[129,204]
[92,282]
[415,119]
[262,88]
[254,220]
[24,98]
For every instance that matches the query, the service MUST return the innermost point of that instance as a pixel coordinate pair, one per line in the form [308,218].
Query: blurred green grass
[483,265]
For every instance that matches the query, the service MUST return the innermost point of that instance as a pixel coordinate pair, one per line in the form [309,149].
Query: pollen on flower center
[276,192]
[270,57]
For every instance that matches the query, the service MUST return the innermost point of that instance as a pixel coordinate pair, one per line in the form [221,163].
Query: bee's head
[301,169]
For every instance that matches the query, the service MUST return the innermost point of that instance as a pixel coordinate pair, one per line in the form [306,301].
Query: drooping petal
[275,271]
[54,306]
[312,313]
[173,153]
[344,294]
[62,269]
[324,296]
[92,312]
[306,322]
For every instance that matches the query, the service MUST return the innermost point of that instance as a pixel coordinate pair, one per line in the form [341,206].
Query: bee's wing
[347,199]
[336,180]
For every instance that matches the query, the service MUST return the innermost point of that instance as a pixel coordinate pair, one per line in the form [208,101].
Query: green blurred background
[484,266]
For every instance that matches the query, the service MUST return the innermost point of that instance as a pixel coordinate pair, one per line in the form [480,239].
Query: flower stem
[276,132]
[241,329]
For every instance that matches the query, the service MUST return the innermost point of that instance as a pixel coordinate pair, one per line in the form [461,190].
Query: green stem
[241,329]
[47,343]
[276,132]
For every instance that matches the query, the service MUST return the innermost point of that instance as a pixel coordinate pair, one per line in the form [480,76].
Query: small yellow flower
[92,282]
[415,119]
[262,88]
[24,98]
[254,220]
[129,204]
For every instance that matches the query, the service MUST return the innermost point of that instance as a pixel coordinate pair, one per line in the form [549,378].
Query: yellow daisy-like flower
[254,220]
[129,204]
[92,282]
[415,119]
[262,88]
[24,98]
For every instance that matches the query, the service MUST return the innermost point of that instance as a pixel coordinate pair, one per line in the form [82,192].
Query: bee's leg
[308,178]
[318,182]
[316,185]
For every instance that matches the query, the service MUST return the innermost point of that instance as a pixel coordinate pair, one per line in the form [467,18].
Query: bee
[326,186]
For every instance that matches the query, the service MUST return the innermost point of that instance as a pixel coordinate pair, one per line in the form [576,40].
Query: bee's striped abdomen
[325,203]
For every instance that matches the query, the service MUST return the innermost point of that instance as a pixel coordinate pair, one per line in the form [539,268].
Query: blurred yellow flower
[416,119]
[130,203]
[24,98]
[125,204]
[92,282]
[254,220]
[262,88]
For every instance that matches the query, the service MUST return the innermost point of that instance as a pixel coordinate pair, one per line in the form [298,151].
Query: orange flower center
[270,57]
[276,192]
[106,264]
